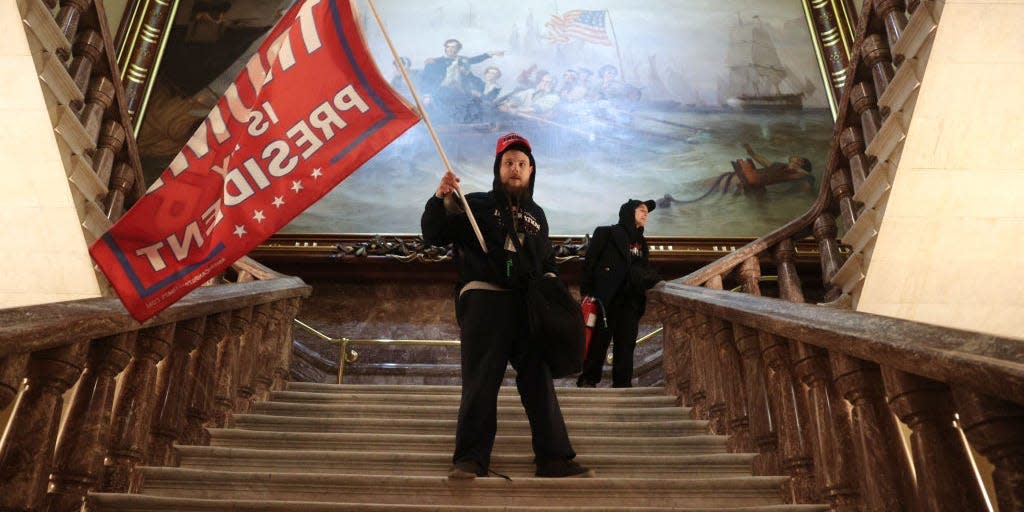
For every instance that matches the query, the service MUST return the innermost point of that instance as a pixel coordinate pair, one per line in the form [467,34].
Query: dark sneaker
[583,383]
[466,470]
[562,468]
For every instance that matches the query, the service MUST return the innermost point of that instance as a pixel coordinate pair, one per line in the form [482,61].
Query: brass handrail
[347,355]
[762,279]
[639,341]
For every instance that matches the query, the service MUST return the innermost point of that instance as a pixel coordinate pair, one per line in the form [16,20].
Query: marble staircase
[321,447]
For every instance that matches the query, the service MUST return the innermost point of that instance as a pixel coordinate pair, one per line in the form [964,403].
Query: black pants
[623,325]
[494,330]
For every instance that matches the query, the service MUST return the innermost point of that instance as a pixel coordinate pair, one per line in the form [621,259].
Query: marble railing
[72,51]
[865,149]
[210,355]
[817,391]
[873,150]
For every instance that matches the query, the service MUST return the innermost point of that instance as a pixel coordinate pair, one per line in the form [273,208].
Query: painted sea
[586,170]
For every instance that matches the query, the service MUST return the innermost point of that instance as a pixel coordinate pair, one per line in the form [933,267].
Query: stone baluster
[877,57]
[111,140]
[994,428]
[88,49]
[825,233]
[698,365]
[678,355]
[69,15]
[830,421]
[227,368]
[203,377]
[842,192]
[100,96]
[120,183]
[749,273]
[282,370]
[886,478]
[730,373]
[12,372]
[785,264]
[894,16]
[865,103]
[762,424]
[945,477]
[249,356]
[26,456]
[791,415]
[172,392]
[851,142]
[129,426]
[83,441]
[714,395]
[831,429]
[263,376]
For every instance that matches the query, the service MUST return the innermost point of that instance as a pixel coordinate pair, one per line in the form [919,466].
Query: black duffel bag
[556,325]
[554,317]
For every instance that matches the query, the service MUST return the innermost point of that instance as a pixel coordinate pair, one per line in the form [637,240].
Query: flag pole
[622,70]
[430,126]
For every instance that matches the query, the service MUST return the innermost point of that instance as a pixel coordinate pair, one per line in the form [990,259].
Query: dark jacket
[610,269]
[499,266]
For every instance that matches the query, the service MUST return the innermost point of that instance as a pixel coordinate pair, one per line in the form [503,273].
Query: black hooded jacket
[492,210]
[611,268]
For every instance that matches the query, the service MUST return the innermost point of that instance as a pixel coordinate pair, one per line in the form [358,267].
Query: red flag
[308,109]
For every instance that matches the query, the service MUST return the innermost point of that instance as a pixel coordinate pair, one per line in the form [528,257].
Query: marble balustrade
[170,369]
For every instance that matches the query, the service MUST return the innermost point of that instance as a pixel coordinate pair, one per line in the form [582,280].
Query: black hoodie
[616,262]
[492,211]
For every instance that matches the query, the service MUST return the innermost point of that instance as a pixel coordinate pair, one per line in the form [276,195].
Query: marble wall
[38,217]
[391,310]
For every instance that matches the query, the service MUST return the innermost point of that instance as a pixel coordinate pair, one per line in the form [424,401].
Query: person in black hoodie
[617,274]
[491,311]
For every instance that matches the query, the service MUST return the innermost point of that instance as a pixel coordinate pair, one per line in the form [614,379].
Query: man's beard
[517,192]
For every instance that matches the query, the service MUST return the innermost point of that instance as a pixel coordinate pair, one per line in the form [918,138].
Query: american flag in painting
[578,24]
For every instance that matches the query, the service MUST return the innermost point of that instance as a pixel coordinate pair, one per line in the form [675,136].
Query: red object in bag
[589,308]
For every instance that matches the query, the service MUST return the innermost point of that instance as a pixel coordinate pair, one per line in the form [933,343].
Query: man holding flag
[307,110]
[490,307]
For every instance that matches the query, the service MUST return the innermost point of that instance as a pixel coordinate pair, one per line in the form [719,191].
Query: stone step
[438,490]
[434,390]
[505,413]
[104,502]
[506,399]
[266,422]
[516,465]
[425,443]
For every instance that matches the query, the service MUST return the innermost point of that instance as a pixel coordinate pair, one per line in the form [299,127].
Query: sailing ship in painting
[630,103]
[757,78]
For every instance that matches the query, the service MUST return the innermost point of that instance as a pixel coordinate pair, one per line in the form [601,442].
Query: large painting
[715,109]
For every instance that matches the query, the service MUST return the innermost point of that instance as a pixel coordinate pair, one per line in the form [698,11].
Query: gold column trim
[833,103]
[836,39]
[164,36]
[137,74]
[150,34]
[134,19]
[846,26]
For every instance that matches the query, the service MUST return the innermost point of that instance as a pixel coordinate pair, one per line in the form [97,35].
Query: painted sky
[687,38]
